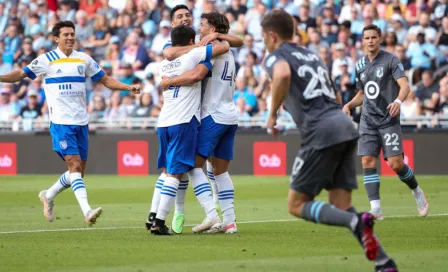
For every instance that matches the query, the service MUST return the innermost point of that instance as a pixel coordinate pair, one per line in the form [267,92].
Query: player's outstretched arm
[188,78]
[113,84]
[281,79]
[13,77]
[355,102]
[173,52]
[234,41]
[220,48]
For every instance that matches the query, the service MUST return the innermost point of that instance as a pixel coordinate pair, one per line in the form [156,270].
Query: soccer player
[64,71]
[326,159]
[179,119]
[382,86]
[219,121]
[181,15]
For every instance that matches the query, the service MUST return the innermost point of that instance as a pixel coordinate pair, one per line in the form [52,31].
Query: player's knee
[368,162]
[74,164]
[396,165]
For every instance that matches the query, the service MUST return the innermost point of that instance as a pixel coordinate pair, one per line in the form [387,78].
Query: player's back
[219,88]
[181,103]
[311,99]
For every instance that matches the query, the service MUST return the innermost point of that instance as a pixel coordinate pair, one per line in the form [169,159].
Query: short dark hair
[176,8]
[218,21]
[372,27]
[56,31]
[280,22]
[182,35]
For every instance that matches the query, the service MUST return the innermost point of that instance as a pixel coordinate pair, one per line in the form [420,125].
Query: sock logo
[132,158]
[269,158]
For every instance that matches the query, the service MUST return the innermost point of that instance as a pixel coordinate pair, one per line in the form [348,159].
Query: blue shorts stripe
[321,204]
[168,194]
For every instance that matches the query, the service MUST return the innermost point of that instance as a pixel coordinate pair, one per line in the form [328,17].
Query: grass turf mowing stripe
[189,225]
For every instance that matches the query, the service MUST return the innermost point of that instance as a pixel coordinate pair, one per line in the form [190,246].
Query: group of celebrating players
[198,122]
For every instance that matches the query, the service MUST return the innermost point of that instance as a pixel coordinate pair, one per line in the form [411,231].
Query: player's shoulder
[361,64]
[80,55]
[388,57]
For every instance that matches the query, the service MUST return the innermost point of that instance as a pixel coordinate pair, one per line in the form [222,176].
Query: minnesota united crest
[379,72]
[80,69]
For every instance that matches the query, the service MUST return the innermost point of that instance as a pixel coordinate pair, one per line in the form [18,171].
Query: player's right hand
[164,83]
[272,125]
[135,89]
[346,110]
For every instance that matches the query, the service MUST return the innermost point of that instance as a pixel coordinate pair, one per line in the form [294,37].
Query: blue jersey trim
[208,64]
[29,73]
[167,45]
[65,79]
[98,76]
[208,52]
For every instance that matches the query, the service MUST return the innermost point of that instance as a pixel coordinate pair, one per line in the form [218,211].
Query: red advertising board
[408,148]
[269,158]
[8,159]
[132,158]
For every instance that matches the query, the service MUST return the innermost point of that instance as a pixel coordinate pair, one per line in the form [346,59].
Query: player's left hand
[209,38]
[164,83]
[272,125]
[135,89]
[394,109]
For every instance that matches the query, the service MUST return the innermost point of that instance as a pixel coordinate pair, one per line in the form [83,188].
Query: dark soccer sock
[382,257]
[372,183]
[407,176]
[323,213]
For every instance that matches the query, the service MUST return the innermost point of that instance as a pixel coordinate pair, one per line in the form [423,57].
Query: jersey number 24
[321,76]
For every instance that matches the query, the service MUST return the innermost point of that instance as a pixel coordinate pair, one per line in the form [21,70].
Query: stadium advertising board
[408,148]
[132,158]
[8,159]
[269,158]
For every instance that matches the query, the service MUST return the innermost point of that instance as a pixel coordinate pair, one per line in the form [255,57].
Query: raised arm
[234,41]
[113,84]
[13,77]
[173,52]
[220,48]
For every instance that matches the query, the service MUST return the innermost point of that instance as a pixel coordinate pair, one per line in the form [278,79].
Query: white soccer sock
[203,191]
[61,184]
[168,195]
[375,204]
[179,206]
[211,177]
[226,195]
[79,189]
[156,196]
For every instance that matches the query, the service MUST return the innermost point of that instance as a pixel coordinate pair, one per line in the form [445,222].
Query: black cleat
[150,221]
[160,230]
[390,266]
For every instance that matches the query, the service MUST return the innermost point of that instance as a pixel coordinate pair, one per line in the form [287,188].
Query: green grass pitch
[268,238]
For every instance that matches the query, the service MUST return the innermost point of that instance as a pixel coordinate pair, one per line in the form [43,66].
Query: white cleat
[48,205]
[377,214]
[207,224]
[93,215]
[422,203]
[230,228]
[222,228]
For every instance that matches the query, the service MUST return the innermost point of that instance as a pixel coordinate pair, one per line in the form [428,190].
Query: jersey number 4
[225,75]
[321,76]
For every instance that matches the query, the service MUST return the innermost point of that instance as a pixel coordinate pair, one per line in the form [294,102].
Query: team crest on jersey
[63,144]
[401,66]
[379,72]
[34,63]
[80,69]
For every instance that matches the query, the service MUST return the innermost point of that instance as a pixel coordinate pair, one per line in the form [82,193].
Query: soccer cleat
[206,224]
[222,228]
[150,220]
[231,228]
[389,266]
[422,203]
[369,242]
[48,205]
[377,214]
[93,215]
[177,225]
[160,230]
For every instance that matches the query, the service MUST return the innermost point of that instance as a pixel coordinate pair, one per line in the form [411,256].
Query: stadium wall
[135,153]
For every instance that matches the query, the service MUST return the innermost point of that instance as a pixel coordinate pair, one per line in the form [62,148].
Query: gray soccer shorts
[389,139]
[329,168]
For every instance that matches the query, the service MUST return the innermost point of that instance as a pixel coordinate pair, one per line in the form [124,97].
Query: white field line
[188,225]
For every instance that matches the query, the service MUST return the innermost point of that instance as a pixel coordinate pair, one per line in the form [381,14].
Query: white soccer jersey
[217,99]
[64,82]
[181,103]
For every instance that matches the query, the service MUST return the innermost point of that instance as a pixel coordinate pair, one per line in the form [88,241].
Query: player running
[64,71]
[181,15]
[178,121]
[217,131]
[326,159]
[383,86]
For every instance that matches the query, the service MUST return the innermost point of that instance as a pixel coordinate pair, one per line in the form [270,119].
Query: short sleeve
[358,80]
[93,70]
[39,66]
[202,55]
[270,62]
[397,68]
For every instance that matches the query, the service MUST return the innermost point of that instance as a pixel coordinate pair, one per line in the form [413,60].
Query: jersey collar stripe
[48,57]
[65,79]
[56,54]
[66,60]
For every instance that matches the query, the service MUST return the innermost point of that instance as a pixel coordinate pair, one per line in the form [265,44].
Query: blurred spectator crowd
[126,37]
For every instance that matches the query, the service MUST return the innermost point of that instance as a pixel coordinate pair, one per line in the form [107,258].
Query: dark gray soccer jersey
[378,79]
[311,98]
